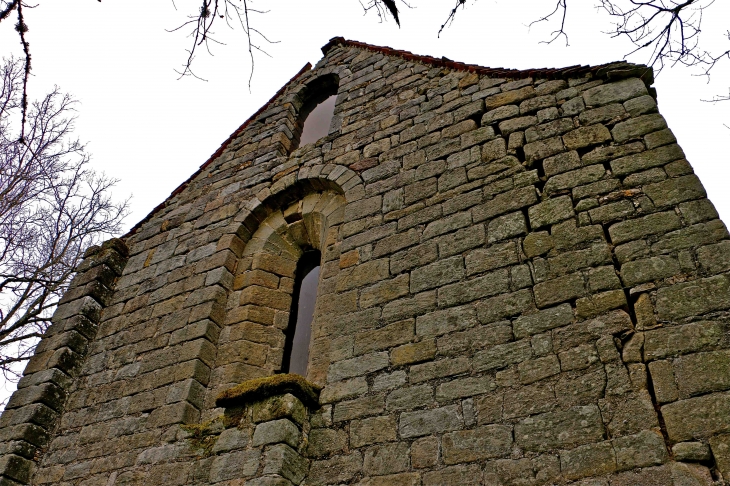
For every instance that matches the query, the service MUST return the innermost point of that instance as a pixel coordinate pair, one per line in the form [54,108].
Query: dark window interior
[299,332]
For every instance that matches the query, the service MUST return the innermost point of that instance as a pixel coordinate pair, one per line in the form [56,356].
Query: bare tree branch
[202,34]
[52,207]
[452,14]
[560,6]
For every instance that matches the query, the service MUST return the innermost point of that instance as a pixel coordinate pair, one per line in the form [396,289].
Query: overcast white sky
[151,130]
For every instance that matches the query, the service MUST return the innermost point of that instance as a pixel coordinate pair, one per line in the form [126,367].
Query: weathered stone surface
[472,445]
[698,417]
[498,303]
[551,211]
[560,430]
[614,92]
[676,340]
[426,422]
[543,320]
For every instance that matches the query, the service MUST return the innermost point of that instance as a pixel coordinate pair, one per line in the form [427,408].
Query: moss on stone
[261,388]
[204,435]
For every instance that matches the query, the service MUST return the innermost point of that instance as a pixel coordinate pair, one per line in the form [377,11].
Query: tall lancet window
[299,332]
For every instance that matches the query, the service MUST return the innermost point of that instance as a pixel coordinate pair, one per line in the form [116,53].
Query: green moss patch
[261,388]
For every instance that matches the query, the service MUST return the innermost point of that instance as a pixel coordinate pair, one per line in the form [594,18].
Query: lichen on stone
[258,389]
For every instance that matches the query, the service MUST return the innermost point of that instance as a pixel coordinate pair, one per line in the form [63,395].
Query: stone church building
[471,276]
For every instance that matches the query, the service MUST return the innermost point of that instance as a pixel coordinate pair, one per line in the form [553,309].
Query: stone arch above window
[316,114]
[254,337]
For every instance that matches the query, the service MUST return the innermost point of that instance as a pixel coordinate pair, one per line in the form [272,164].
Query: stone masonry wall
[523,283]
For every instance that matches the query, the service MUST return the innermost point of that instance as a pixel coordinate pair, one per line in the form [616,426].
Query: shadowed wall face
[521,282]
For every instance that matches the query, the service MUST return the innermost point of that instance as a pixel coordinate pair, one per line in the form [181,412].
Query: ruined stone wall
[522,283]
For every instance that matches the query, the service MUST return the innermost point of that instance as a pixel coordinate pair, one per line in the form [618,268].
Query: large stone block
[485,442]
[560,430]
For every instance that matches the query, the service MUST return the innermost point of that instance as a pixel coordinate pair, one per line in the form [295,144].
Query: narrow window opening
[317,124]
[316,112]
[299,332]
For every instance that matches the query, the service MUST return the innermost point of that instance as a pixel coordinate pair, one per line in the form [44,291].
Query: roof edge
[619,69]
[217,153]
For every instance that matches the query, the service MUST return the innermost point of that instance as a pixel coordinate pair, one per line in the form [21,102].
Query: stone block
[537,369]
[702,372]
[637,127]
[678,340]
[386,459]
[676,190]
[535,244]
[281,431]
[508,97]
[372,430]
[657,139]
[614,92]
[385,337]
[550,212]
[543,320]
[402,479]
[652,224]
[559,290]
[359,366]
[409,397]
[445,321]
[663,381]
[234,465]
[485,442]
[571,179]
[636,162]
[437,274]
[649,269]
[644,449]
[282,460]
[697,417]
[413,353]
[277,407]
[464,387]
[586,136]
[324,442]
[427,422]
[543,148]
[335,470]
[588,460]
[425,452]
[516,124]
[462,474]
[549,129]
[560,430]
[528,400]
[501,113]
[505,227]
[490,284]
[231,439]
[502,355]
[496,256]
[691,451]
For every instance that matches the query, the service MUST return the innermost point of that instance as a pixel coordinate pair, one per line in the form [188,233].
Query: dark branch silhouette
[52,207]
[202,34]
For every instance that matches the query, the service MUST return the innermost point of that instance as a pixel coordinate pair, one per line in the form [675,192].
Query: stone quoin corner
[473,276]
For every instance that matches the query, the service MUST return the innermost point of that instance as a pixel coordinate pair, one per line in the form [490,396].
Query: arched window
[317,110]
[317,124]
[299,332]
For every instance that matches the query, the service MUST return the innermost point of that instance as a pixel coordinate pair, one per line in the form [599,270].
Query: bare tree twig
[52,207]
[560,6]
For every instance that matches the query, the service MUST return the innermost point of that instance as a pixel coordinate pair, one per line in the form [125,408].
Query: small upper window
[317,110]
[299,333]
[317,124]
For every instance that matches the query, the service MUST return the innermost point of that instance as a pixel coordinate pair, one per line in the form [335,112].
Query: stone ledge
[258,389]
